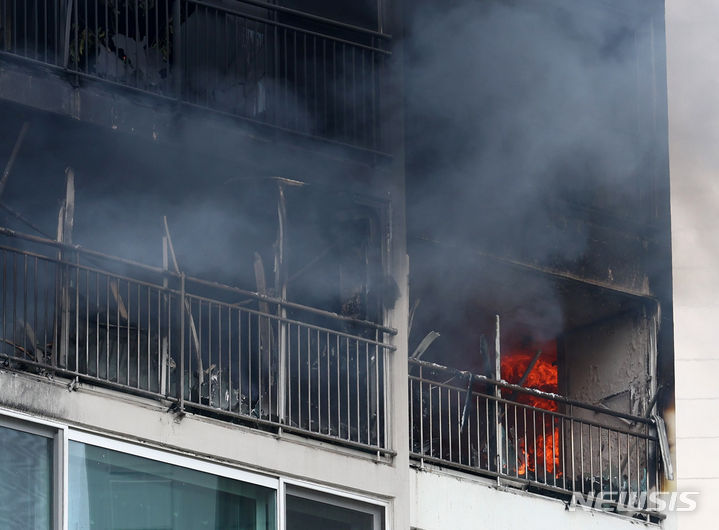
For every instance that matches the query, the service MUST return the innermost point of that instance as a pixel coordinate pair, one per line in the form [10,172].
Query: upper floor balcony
[267,64]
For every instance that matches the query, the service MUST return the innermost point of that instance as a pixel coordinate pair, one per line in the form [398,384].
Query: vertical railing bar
[87,321]
[573,454]
[376,387]
[288,331]
[35,304]
[609,459]
[486,434]
[591,459]
[629,467]
[367,390]
[107,328]
[229,359]
[421,411]
[601,461]
[459,430]
[479,434]
[4,295]
[161,368]
[411,415]
[250,354]
[563,452]
[468,427]
[555,460]
[516,443]
[544,443]
[138,318]
[347,380]
[338,397]
[329,383]
[239,361]
[581,454]
[309,380]
[505,435]
[526,455]
[24,301]
[181,307]
[357,389]
[219,359]
[149,337]
[129,318]
[534,436]
[261,346]
[439,412]
[431,419]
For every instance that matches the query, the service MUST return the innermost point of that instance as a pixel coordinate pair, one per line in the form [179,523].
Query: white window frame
[175,459]
[62,435]
[58,433]
[378,509]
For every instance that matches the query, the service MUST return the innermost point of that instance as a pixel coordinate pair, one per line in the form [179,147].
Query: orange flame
[544,376]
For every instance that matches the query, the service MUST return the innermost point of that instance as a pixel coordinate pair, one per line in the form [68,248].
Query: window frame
[62,435]
[378,509]
[58,434]
[167,456]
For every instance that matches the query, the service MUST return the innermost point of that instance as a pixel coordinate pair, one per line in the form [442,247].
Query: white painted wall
[693,90]
[133,419]
[443,501]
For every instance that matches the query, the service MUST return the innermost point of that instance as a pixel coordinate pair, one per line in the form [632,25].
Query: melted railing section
[472,423]
[205,347]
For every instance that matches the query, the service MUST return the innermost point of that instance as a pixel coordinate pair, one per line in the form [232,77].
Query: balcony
[194,344]
[536,440]
[266,64]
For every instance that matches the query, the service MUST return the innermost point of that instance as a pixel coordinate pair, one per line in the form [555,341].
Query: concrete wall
[148,422]
[442,501]
[610,358]
[693,90]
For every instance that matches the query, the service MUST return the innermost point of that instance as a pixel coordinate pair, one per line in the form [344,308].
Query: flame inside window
[538,451]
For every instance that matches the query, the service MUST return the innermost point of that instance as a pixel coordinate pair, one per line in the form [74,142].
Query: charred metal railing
[249,58]
[204,346]
[542,441]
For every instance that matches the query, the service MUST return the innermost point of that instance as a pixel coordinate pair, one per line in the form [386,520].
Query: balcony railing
[538,440]
[247,58]
[205,347]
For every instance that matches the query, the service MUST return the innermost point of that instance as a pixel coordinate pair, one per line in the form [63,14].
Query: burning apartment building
[303,264]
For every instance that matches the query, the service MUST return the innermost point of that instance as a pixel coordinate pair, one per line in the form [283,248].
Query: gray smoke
[523,119]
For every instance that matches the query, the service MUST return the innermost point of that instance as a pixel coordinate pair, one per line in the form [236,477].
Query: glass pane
[112,490]
[306,514]
[25,480]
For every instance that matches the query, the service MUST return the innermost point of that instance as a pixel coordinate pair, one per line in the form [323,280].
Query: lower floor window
[26,479]
[109,489]
[308,510]
[53,477]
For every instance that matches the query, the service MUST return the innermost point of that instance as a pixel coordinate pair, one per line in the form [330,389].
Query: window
[27,471]
[113,489]
[308,510]
[53,477]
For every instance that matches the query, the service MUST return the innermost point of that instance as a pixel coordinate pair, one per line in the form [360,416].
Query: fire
[543,376]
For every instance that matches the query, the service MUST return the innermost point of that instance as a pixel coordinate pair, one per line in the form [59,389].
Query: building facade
[297,265]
